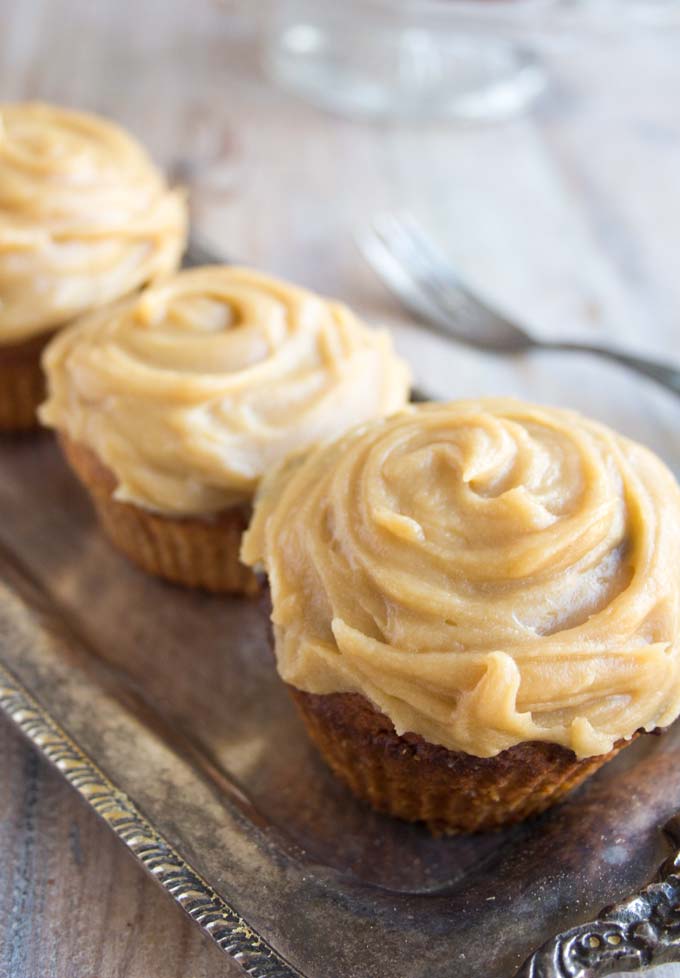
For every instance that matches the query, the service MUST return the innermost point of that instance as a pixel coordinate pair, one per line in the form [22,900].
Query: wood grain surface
[569,219]
[73,902]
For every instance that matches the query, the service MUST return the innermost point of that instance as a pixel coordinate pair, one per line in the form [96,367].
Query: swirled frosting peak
[192,390]
[85,217]
[484,572]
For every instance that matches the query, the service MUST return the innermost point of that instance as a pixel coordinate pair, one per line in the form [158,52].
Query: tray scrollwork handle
[629,936]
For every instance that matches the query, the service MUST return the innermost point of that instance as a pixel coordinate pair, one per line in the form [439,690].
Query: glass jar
[407,59]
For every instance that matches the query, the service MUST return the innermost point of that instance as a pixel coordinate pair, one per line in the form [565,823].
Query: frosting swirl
[85,217]
[192,390]
[484,572]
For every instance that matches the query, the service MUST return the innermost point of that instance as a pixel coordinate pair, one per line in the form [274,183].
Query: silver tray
[162,708]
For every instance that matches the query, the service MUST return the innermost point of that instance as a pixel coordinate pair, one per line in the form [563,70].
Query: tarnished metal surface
[173,695]
[226,927]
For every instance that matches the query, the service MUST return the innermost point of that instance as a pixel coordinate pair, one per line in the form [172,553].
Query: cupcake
[171,405]
[85,218]
[475,604]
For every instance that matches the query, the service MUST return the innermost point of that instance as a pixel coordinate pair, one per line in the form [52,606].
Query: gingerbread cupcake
[475,604]
[85,218]
[172,405]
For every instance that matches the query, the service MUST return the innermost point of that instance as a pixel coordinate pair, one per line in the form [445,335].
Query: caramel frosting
[484,572]
[192,390]
[85,218]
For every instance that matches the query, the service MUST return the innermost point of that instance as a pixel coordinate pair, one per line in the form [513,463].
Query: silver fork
[421,277]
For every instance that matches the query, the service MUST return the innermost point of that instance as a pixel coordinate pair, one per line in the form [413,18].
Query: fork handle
[667,376]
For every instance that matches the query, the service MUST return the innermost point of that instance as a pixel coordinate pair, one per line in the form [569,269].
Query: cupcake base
[451,791]
[196,552]
[22,383]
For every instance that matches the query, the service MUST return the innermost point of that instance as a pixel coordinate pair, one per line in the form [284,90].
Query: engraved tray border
[637,933]
[161,861]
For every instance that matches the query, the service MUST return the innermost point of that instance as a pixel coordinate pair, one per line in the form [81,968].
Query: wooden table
[570,220]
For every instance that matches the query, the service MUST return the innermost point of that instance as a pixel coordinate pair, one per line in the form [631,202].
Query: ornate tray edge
[635,934]
[220,921]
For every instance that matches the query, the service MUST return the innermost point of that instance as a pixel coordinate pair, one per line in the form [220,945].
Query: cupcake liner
[201,553]
[22,384]
[451,791]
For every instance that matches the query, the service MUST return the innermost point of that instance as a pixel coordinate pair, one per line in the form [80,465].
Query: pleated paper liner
[22,384]
[196,552]
[451,791]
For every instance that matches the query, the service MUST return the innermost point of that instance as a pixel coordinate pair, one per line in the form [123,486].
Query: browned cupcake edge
[193,551]
[451,791]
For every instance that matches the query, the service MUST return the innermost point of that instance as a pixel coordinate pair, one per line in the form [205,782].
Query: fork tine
[426,246]
[458,311]
[434,273]
[404,232]
[396,276]
[403,235]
